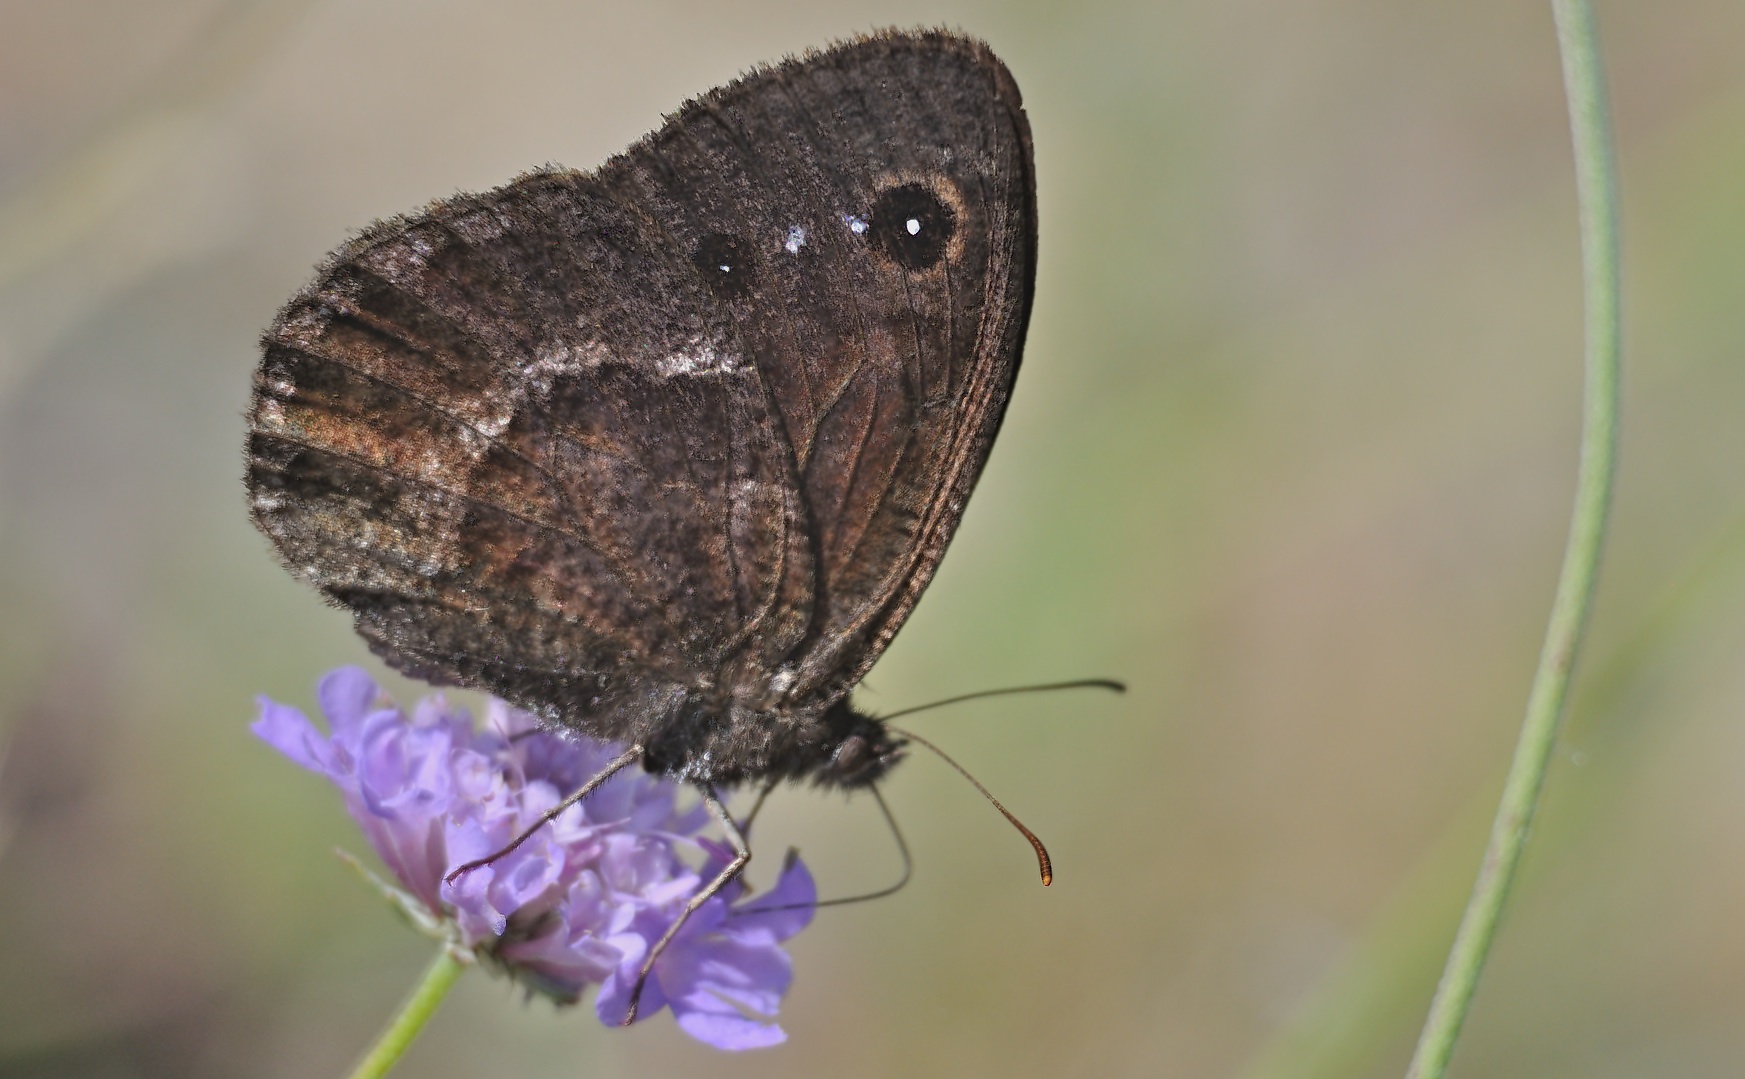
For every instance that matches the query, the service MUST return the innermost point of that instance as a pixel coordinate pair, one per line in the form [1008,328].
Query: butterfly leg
[745,825]
[617,764]
[741,855]
[756,807]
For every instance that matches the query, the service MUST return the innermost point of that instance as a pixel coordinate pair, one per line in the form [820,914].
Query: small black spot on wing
[726,263]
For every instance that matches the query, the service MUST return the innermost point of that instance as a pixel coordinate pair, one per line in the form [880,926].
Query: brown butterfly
[666,452]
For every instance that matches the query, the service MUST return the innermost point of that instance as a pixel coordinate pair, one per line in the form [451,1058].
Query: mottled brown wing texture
[697,426]
[522,451]
[880,201]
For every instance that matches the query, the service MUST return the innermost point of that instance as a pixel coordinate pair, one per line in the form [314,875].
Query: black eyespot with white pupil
[725,262]
[911,226]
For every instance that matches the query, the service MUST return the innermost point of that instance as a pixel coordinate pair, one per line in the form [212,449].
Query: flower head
[584,898]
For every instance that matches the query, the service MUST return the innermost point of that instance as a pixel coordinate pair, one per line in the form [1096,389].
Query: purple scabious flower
[585,897]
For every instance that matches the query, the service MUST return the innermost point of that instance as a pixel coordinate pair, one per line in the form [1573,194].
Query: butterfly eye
[911,226]
[724,260]
[849,753]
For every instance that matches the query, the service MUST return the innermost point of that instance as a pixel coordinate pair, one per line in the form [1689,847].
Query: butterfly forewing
[890,368]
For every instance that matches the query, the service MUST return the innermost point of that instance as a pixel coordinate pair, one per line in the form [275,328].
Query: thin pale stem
[426,997]
[1596,188]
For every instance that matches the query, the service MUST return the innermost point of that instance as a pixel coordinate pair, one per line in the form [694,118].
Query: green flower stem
[397,1036]
[1345,1025]
[1596,190]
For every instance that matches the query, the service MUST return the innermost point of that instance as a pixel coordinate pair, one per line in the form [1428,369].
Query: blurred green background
[1292,452]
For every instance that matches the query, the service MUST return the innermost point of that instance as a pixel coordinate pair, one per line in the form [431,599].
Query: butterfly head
[862,749]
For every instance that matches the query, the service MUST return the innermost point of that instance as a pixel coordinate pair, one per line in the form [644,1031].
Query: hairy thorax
[705,741]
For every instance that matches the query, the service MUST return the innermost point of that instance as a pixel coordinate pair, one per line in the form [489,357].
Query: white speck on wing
[782,681]
[796,239]
[700,359]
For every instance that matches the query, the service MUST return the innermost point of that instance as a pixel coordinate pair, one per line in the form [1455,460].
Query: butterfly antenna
[902,850]
[1043,862]
[1047,687]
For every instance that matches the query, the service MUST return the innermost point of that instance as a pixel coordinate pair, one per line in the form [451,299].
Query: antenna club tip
[1047,879]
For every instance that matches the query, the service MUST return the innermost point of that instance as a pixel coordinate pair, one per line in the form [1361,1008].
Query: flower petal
[746,976]
[613,1001]
[584,897]
[290,732]
[783,910]
[728,1030]
[346,695]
